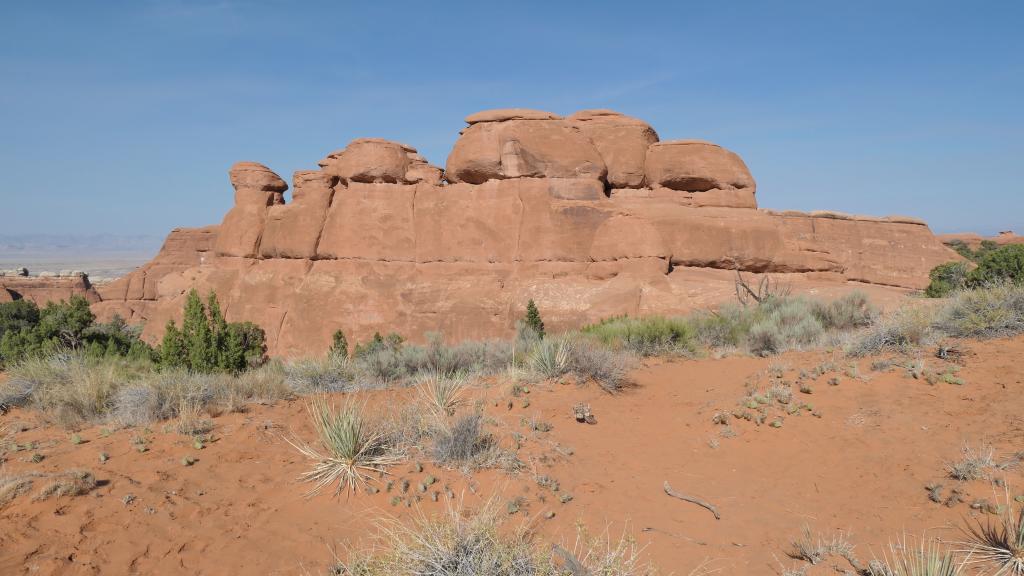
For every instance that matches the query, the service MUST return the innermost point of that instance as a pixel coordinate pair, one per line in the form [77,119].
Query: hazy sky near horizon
[124,116]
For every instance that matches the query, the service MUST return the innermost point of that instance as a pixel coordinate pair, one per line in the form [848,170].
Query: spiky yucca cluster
[352,448]
[998,544]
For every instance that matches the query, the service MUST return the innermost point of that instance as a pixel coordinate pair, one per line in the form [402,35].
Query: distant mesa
[590,215]
[973,241]
[18,284]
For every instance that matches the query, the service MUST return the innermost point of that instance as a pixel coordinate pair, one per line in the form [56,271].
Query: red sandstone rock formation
[588,215]
[974,241]
[43,289]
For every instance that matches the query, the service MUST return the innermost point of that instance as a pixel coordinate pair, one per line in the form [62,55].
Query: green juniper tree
[208,343]
[339,345]
[533,319]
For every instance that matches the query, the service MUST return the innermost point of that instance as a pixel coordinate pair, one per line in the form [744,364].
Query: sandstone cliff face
[43,289]
[588,215]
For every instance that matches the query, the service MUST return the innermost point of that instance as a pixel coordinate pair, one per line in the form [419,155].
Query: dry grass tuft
[928,558]
[454,544]
[68,483]
[974,464]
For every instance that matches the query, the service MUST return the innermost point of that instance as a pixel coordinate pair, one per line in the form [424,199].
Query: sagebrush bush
[897,331]
[461,441]
[608,368]
[333,373]
[853,310]
[991,311]
[781,324]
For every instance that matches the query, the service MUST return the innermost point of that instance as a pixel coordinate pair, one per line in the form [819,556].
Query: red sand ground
[861,467]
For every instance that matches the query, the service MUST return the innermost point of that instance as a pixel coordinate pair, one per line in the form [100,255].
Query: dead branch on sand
[692,500]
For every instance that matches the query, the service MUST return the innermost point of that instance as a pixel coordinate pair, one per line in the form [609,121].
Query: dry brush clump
[994,310]
[456,544]
[61,484]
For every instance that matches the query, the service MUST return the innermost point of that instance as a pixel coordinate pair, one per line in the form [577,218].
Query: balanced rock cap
[503,114]
[253,175]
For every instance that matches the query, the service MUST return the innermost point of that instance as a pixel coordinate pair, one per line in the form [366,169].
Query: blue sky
[123,117]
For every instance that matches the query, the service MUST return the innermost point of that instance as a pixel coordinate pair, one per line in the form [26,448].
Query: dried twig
[569,562]
[692,500]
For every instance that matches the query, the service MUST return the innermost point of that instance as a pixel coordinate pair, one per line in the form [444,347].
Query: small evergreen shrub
[207,343]
[1005,263]
[947,278]
[339,345]
[27,331]
[533,319]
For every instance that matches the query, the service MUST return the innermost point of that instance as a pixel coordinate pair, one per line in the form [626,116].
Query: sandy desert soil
[860,466]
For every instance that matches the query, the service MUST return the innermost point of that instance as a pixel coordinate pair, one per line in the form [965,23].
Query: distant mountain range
[99,255]
[62,243]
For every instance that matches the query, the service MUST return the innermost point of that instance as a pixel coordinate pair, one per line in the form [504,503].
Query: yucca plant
[442,393]
[929,558]
[550,358]
[997,545]
[352,448]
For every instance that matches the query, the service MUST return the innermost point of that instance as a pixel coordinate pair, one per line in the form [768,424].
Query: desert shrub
[607,367]
[996,310]
[462,441]
[352,449]
[135,405]
[781,324]
[391,342]
[455,544]
[897,331]
[65,323]
[947,278]
[854,310]
[964,250]
[72,388]
[27,331]
[332,373]
[384,365]
[18,315]
[76,389]
[1005,263]
[207,343]
[450,545]
[973,463]
[726,327]
[59,484]
[645,336]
